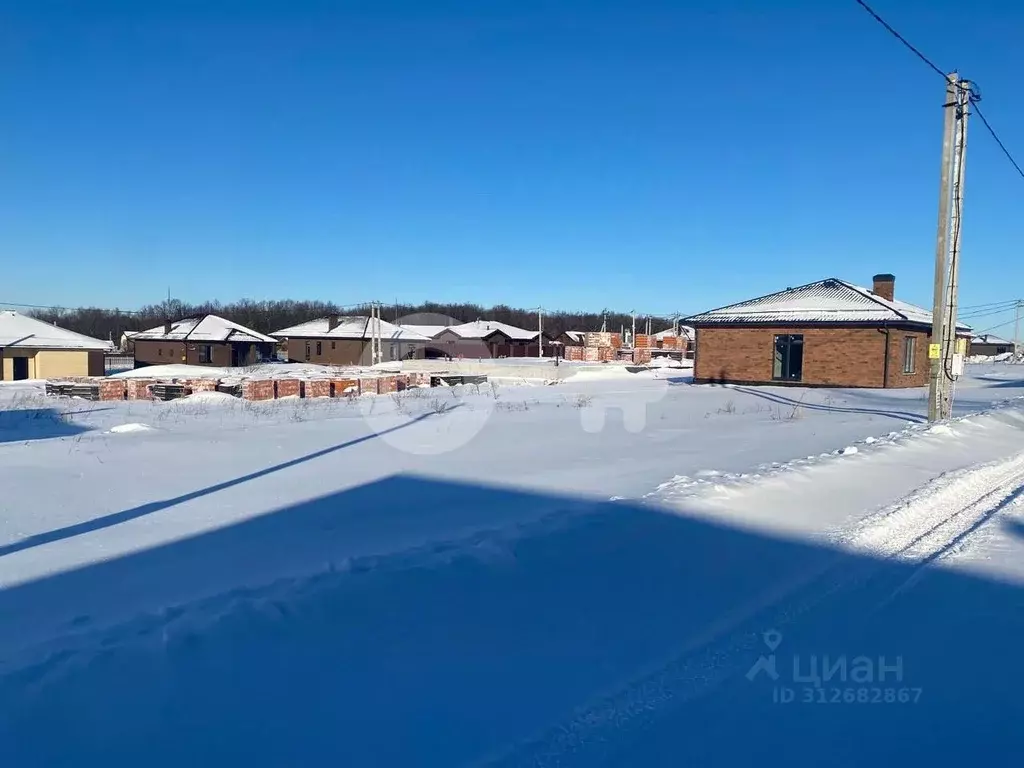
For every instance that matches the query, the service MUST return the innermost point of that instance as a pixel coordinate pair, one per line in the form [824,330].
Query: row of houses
[827,333]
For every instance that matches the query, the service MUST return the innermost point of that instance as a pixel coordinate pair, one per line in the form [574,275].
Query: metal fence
[118,363]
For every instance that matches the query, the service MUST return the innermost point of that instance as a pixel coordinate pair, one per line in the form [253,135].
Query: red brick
[318,388]
[641,356]
[369,386]
[112,389]
[259,389]
[839,357]
[342,387]
[139,389]
[201,385]
[387,385]
[289,388]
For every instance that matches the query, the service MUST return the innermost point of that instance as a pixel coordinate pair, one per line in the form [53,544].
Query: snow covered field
[577,574]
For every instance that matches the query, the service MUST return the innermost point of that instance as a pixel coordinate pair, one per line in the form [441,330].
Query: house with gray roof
[826,333]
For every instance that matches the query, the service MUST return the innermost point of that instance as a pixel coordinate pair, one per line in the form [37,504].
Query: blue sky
[657,156]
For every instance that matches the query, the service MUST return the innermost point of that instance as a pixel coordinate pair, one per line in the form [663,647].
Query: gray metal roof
[826,301]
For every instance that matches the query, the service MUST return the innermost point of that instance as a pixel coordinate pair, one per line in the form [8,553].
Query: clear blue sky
[636,154]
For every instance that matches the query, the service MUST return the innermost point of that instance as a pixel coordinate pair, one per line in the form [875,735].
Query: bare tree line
[270,316]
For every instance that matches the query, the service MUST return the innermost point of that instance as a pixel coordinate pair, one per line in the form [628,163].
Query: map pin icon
[772,638]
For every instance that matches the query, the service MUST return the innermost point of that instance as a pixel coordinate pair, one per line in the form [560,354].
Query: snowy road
[936,522]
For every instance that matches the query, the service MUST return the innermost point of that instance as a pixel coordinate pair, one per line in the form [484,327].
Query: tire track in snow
[922,528]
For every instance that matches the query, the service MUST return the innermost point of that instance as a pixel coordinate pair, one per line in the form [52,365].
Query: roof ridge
[890,305]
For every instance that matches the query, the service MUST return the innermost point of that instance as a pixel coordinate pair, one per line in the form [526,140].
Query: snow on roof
[988,338]
[353,327]
[480,329]
[430,331]
[21,331]
[684,330]
[825,301]
[205,328]
[576,335]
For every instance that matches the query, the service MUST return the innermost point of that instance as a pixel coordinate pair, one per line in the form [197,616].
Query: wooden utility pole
[540,332]
[1016,327]
[938,384]
[952,361]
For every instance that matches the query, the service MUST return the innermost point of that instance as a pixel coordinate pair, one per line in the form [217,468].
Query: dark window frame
[307,351]
[332,344]
[205,353]
[789,342]
[160,351]
[319,348]
[909,355]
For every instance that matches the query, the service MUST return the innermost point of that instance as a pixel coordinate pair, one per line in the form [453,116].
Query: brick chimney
[167,327]
[884,286]
[333,321]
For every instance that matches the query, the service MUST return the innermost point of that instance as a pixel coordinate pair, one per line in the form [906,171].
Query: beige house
[32,349]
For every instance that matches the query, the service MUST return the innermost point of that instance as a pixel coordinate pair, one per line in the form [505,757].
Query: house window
[332,345]
[319,349]
[307,351]
[788,364]
[160,351]
[1001,350]
[205,353]
[909,356]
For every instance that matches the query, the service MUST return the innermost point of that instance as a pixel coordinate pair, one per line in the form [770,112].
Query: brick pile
[139,389]
[643,341]
[574,353]
[258,389]
[318,388]
[111,389]
[369,386]
[340,387]
[201,385]
[387,385]
[289,388]
[641,356]
[603,339]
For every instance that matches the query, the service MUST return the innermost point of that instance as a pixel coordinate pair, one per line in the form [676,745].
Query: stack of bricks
[369,386]
[607,354]
[201,385]
[139,389]
[574,353]
[289,388]
[345,387]
[261,389]
[603,339]
[641,356]
[111,389]
[318,388]
[643,341]
[387,385]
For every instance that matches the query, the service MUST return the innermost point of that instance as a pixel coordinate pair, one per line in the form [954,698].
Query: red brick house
[486,339]
[207,340]
[338,340]
[828,333]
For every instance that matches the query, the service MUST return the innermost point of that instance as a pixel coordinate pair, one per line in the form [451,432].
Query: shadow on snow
[436,633]
[21,424]
[142,510]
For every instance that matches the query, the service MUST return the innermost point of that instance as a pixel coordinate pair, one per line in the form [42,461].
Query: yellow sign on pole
[934,351]
[961,346]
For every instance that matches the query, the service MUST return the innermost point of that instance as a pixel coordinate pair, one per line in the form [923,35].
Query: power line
[989,305]
[1002,146]
[902,39]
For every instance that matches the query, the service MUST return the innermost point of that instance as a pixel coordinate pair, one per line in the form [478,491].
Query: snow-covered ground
[576,574]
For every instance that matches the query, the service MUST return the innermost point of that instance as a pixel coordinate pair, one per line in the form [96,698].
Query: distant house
[828,333]
[987,344]
[572,338]
[338,340]
[683,341]
[207,340]
[485,338]
[32,349]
